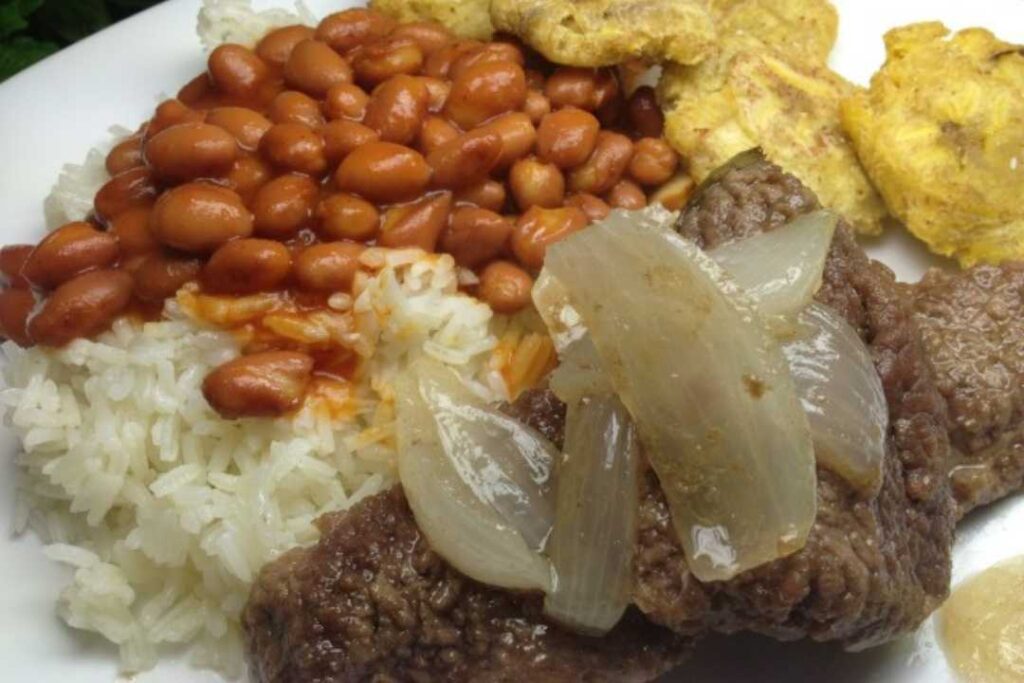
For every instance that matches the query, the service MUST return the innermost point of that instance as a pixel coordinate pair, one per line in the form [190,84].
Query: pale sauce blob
[981,626]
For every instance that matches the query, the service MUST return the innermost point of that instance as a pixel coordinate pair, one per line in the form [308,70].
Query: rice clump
[164,510]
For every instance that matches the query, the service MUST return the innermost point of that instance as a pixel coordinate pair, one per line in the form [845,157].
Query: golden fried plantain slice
[804,30]
[465,18]
[748,97]
[941,132]
[606,32]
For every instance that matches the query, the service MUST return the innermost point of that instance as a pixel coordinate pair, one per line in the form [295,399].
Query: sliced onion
[842,394]
[506,463]
[699,371]
[462,527]
[781,270]
[591,546]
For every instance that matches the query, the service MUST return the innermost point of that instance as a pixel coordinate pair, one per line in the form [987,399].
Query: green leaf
[18,53]
[13,15]
[69,21]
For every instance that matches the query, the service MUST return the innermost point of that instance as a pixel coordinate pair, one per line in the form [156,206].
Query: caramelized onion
[781,270]
[591,546]
[842,394]
[697,367]
[459,520]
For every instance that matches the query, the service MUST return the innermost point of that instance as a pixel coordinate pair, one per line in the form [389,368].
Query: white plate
[54,112]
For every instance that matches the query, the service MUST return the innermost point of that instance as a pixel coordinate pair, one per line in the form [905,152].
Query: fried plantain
[749,96]
[803,30]
[606,32]
[464,18]
[941,133]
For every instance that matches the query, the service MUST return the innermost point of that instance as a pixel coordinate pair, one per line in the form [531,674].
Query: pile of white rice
[166,511]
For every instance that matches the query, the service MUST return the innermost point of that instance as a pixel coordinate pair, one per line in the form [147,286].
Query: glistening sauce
[981,626]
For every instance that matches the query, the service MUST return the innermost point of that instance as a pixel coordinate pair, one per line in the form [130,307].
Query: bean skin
[475,236]
[465,160]
[397,107]
[484,91]
[353,27]
[159,276]
[505,287]
[81,307]
[539,228]
[314,67]
[124,191]
[16,305]
[197,217]
[344,216]
[328,267]
[125,155]
[236,70]
[71,249]
[284,206]
[12,259]
[267,384]
[277,46]
[383,172]
[418,224]
[131,228]
[191,150]
[247,266]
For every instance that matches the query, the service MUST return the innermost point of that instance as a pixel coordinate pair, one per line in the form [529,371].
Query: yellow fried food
[465,18]
[804,30]
[941,132]
[745,98]
[606,32]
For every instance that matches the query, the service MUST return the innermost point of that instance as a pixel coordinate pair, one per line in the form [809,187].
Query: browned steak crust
[372,602]
[972,327]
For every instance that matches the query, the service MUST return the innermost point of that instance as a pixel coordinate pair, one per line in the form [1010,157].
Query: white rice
[164,511]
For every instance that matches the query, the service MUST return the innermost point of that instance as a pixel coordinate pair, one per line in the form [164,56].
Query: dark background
[32,29]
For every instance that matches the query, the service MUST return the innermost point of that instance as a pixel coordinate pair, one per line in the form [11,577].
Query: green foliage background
[33,29]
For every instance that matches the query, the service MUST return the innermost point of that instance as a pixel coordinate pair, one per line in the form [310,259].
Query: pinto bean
[12,259]
[131,228]
[292,106]
[126,190]
[191,150]
[475,236]
[247,266]
[342,136]
[418,224]
[159,275]
[64,253]
[236,70]
[284,205]
[346,101]
[383,172]
[276,47]
[535,183]
[626,194]
[397,107]
[505,287]
[246,125]
[484,91]
[328,267]
[81,307]
[490,194]
[16,305]
[125,155]
[383,59]
[295,147]
[353,27]
[344,216]
[606,164]
[314,67]
[197,217]
[567,137]
[466,159]
[267,384]
[539,228]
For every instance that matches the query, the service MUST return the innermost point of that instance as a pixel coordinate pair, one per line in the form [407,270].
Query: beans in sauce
[272,173]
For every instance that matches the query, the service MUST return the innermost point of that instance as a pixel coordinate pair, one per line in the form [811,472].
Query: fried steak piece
[372,602]
[972,327]
[873,566]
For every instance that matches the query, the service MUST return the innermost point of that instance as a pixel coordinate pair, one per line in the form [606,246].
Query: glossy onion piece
[698,369]
[462,528]
[842,395]
[591,547]
[505,463]
[781,270]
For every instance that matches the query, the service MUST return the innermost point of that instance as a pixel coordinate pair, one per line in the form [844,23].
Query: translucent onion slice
[842,395]
[461,527]
[591,546]
[699,371]
[781,270]
[506,463]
